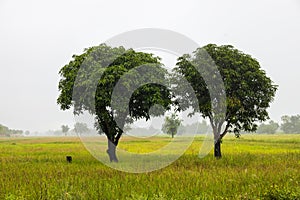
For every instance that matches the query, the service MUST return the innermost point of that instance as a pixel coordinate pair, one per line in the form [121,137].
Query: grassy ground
[253,167]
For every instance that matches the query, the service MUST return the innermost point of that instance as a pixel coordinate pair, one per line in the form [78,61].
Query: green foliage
[223,76]
[127,128]
[81,128]
[270,128]
[247,88]
[65,129]
[136,131]
[196,128]
[5,131]
[83,88]
[290,124]
[171,124]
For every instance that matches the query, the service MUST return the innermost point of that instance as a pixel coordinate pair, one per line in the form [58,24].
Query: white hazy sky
[38,37]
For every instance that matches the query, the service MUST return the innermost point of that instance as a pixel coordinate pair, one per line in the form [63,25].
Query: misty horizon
[39,38]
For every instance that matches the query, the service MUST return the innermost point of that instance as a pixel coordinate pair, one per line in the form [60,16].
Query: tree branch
[119,134]
[120,128]
[225,130]
[219,128]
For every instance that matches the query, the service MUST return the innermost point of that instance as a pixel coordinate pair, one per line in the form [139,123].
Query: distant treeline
[194,128]
[6,132]
[289,124]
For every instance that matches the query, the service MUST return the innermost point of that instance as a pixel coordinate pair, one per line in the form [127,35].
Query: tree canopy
[119,86]
[248,90]
[7,132]
[65,129]
[171,124]
[81,128]
[290,124]
[116,85]
[269,128]
[201,127]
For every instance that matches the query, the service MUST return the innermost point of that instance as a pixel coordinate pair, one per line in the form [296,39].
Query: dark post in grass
[69,159]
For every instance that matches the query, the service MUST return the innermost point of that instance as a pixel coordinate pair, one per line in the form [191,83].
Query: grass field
[252,167]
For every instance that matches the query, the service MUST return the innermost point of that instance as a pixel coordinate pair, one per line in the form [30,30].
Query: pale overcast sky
[38,37]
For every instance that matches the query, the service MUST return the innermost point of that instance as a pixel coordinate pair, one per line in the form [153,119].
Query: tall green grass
[253,167]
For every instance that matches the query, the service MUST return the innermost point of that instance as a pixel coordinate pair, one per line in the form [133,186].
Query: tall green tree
[247,88]
[105,71]
[171,125]
[290,124]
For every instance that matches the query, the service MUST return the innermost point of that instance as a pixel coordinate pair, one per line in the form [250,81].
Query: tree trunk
[111,151]
[217,150]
